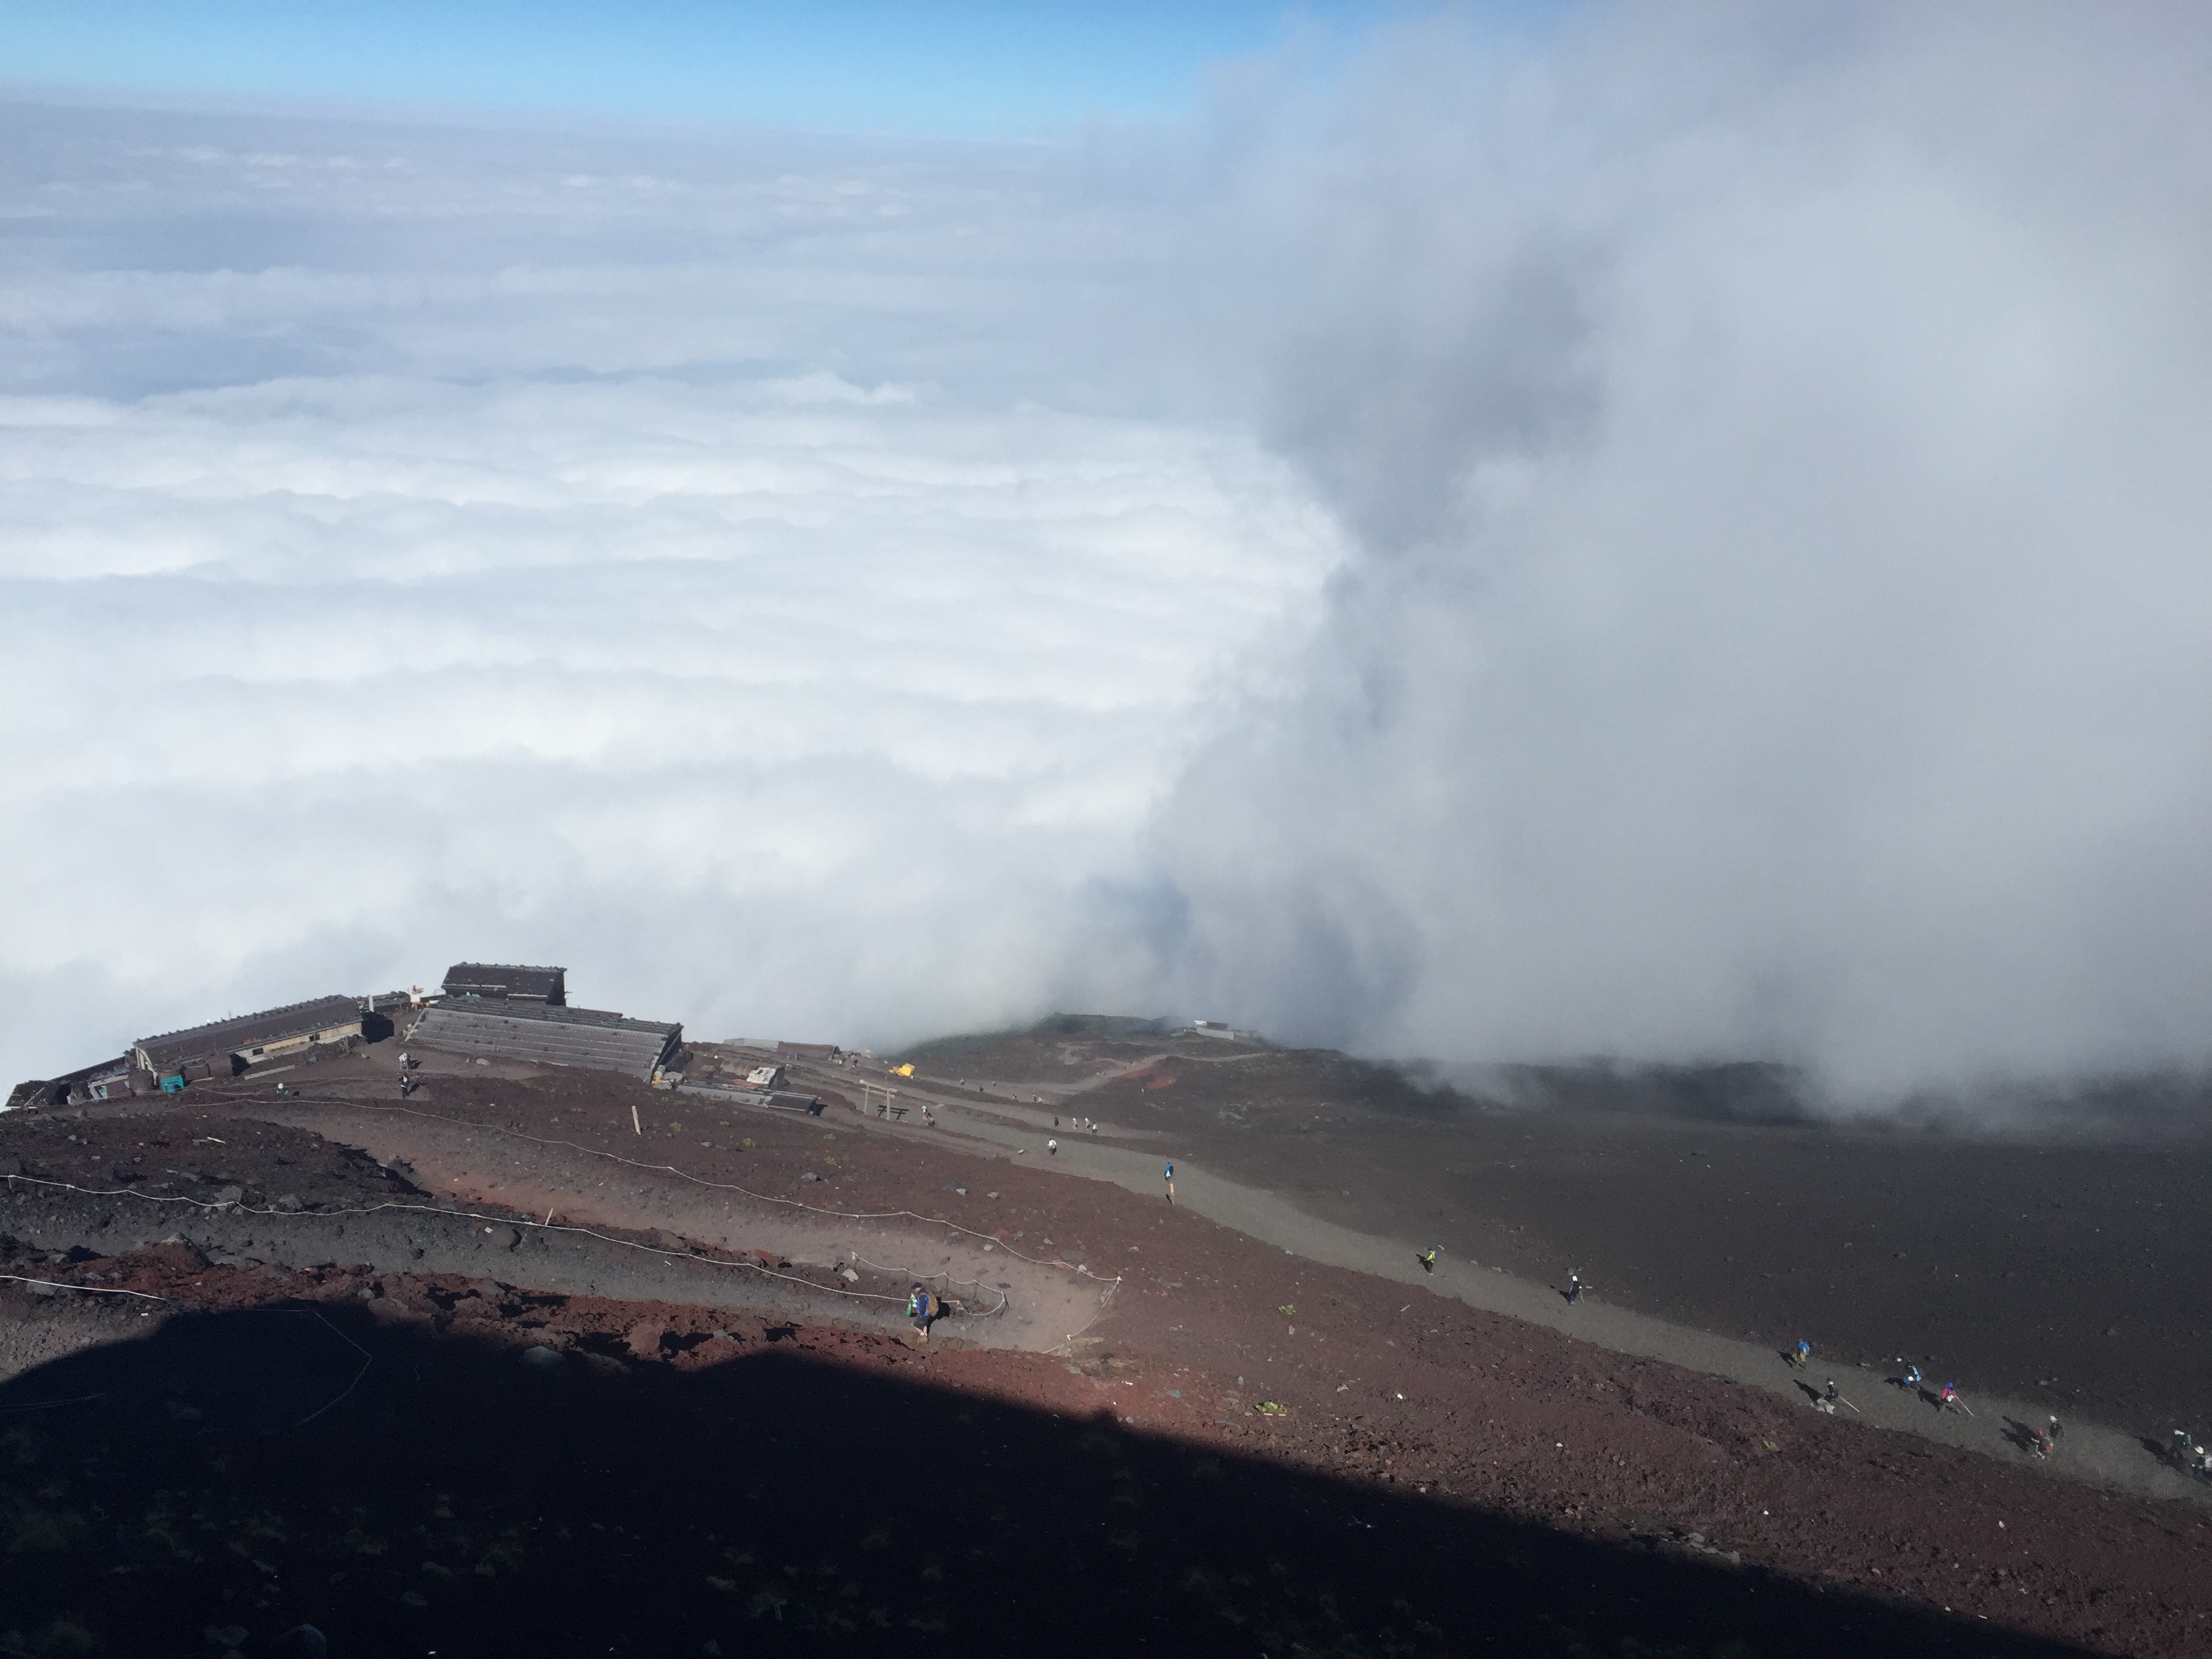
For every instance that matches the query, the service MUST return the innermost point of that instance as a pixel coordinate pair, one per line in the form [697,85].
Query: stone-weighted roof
[172,1049]
[507,979]
[550,1035]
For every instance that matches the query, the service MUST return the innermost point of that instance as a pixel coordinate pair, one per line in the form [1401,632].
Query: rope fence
[90,1290]
[457,1214]
[548,1226]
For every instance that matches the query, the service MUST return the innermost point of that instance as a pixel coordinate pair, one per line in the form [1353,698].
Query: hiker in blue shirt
[921,1308]
[1170,1180]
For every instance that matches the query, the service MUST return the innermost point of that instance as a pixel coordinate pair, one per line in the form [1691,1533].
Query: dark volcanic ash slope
[2065,1273]
[185,1151]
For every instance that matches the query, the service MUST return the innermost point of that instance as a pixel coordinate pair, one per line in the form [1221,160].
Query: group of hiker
[1946,1398]
[2043,1442]
[924,1308]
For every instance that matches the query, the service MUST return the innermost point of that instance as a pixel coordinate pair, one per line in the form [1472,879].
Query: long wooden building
[546,1035]
[507,982]
[225,1046]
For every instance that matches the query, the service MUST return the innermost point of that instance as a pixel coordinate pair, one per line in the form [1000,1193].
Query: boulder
[182,1248]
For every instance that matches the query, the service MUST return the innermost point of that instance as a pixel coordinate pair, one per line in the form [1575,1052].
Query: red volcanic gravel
[1230,1347]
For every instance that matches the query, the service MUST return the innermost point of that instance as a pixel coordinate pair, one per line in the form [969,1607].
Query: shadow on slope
[458,1500]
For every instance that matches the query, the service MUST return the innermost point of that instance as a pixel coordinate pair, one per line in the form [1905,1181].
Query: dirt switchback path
[2101,1454]
[564,1182]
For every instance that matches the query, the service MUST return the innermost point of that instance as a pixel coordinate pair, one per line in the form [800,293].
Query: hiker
[1951,1396]
[1053,1148]
[1170,1177]
[2043,1443]
[1832,1391]
[1911,1379]
[1574,1287]
[1802,1356]
[1428,1259]
[921,1308]
[1055,1123]
[2052,1433]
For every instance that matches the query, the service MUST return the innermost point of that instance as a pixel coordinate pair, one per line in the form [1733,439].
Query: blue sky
[871,65]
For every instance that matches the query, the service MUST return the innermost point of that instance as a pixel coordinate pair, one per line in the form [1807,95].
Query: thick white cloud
[1780,444]
[1763,455]
[620,607]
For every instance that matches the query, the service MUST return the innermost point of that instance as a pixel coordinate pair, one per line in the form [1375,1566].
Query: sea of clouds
[418,547]
[1685,539]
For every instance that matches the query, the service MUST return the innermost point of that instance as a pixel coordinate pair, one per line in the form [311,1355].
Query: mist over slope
[1677,537]
[1776,448]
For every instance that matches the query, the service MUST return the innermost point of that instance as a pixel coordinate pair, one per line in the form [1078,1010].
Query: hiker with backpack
[921,1308]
